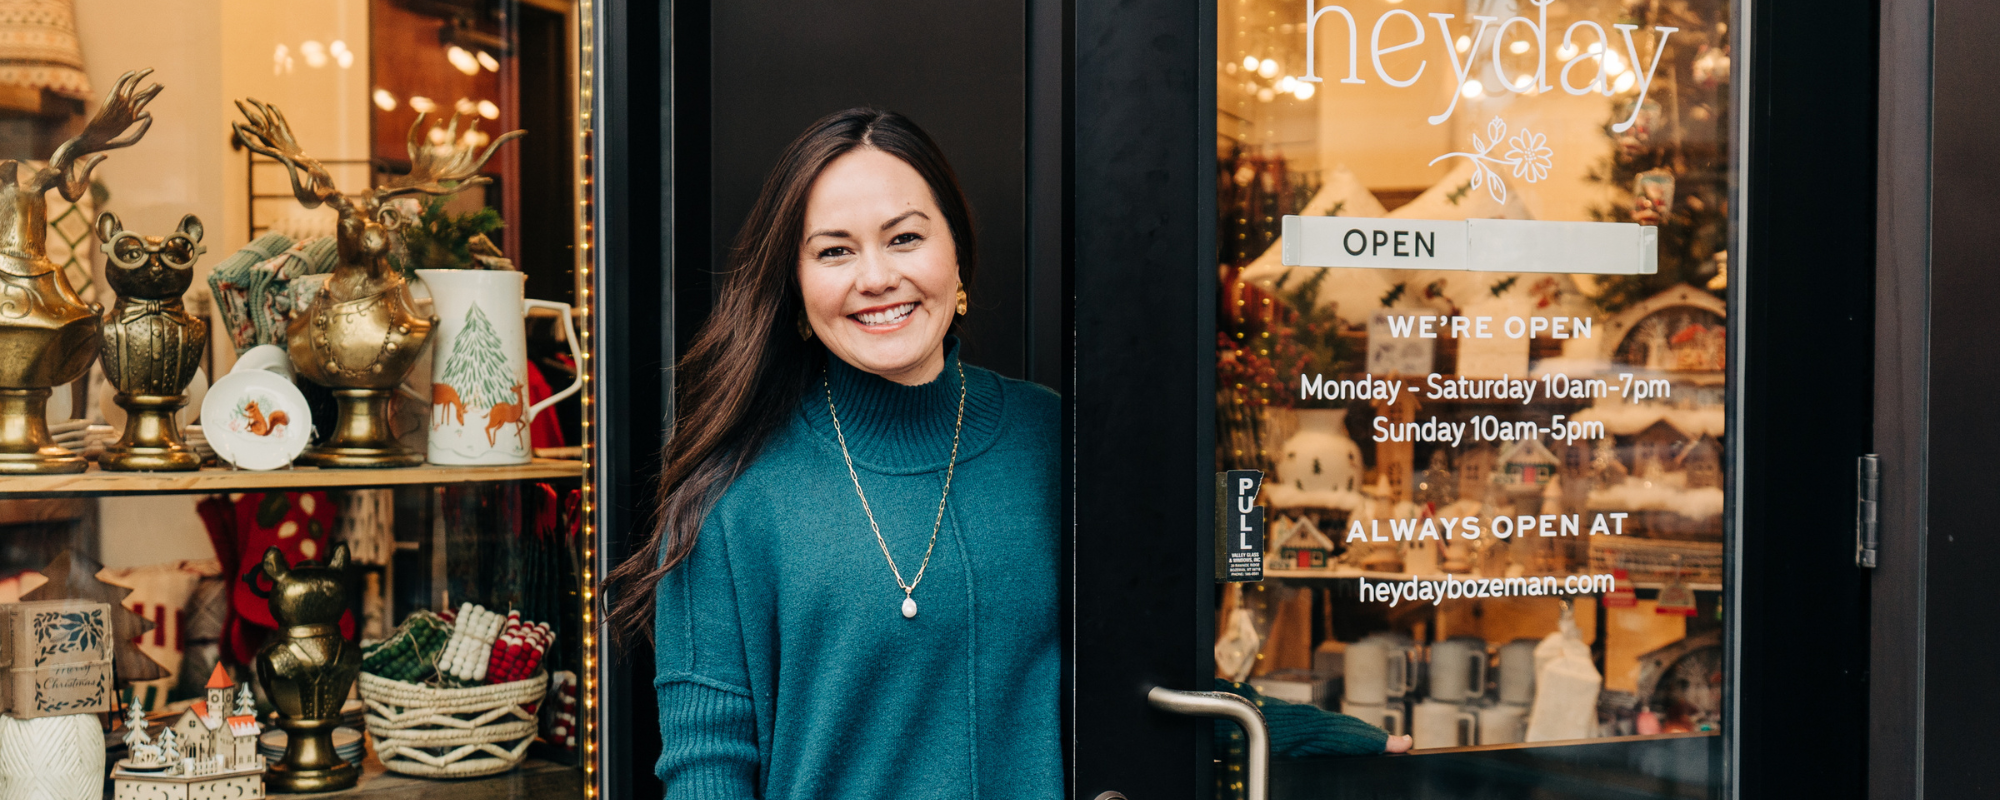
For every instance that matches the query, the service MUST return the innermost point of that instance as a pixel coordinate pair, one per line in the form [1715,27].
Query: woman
[853,582]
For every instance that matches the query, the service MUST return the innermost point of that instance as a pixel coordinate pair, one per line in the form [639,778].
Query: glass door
[1472,333]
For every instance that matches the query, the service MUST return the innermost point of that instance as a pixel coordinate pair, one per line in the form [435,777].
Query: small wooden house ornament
[1701,459]
[209,751]
[1655,449]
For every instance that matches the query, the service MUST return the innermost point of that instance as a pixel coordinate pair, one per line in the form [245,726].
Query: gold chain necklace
[909,603]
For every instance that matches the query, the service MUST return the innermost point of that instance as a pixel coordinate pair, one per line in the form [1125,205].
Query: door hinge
[1867,490]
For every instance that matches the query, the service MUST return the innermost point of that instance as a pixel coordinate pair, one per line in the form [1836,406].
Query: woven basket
[452,733]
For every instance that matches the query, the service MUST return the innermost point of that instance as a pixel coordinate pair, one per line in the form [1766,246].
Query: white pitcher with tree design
[479,369]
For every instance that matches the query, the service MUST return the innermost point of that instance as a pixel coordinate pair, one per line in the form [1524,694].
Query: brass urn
[360,334]
[152,346]
[48,335]
[307,668]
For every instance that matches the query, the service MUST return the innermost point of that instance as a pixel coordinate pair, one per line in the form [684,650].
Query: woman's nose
[877,275]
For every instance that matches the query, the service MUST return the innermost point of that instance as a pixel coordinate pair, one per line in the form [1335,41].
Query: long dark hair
[747,368]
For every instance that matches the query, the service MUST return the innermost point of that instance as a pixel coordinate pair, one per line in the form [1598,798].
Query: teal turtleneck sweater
[785,666]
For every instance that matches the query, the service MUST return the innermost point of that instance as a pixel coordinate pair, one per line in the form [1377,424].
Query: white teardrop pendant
[909,607]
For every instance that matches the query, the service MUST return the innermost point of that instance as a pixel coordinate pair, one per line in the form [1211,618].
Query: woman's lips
[883,319]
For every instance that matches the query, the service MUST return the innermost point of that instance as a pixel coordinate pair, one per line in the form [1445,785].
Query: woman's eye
[905,238]
[835,252]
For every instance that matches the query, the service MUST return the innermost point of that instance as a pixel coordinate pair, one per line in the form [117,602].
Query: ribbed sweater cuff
[708,743]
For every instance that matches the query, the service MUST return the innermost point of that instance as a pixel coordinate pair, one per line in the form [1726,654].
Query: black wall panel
[958,69]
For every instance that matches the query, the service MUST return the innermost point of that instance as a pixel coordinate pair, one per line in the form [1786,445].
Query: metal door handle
[1223,705]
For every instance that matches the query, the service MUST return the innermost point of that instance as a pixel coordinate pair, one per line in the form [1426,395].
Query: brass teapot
[152,346]
[48,335]
[360,334]
[307,667]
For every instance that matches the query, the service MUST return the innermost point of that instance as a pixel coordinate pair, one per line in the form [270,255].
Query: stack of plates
[95,438]
[70,433]
[346,743]
[195,439]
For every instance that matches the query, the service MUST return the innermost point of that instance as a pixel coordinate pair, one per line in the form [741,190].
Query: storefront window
[293,440]
[1472,332]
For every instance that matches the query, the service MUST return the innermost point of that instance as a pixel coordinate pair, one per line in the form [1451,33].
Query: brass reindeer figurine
[48,335]
[362,333]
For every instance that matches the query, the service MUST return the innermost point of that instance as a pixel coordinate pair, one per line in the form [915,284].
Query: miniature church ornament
[206,752]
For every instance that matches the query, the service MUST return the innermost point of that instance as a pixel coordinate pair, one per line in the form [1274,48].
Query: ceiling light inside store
[1473,88]
[438,137]
[341,55]
[462,60]
[314,52]
[1624,83]
[1266,95]
[464,106]
[1303,91]
[1523,81]
[1517,48]
[1464,43]
[488,61]
[1229,68]
[384,100]
[1287,84]
[422,104]
[281,60]
[1566,52]
[1596,47]
[488,110]
[1268,68]
[1250,63]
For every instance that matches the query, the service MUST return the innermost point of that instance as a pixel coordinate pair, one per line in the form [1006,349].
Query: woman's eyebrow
[903,216]
[832,233]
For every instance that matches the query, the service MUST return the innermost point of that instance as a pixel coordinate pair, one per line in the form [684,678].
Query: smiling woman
[834,468]
[879,268]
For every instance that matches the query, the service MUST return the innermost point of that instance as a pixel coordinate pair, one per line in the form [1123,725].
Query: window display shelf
[97,482]
[542,780]
[1348,573]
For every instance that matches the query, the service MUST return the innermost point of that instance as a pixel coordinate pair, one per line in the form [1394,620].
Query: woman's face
[878,267]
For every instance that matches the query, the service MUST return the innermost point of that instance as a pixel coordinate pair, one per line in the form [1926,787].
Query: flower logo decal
[1527,152]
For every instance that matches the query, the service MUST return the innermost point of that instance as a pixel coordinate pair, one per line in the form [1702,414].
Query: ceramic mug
[1376,668]
[1387,716]
[479,371]
[1505,723]
[1517,672]
[1436,724]
[1458,669]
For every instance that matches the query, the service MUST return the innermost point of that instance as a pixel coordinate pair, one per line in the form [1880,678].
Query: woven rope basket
[452,733]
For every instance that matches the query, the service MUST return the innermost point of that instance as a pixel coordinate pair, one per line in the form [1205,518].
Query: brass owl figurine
[152,346]
[307,667]
[48,335]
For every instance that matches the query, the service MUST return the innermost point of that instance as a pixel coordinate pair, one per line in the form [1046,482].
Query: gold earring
[961,301]
[805,327]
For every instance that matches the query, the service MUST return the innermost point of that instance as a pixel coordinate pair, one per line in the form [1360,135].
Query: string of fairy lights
[586,240]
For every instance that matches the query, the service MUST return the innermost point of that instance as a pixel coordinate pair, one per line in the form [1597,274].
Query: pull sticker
[1239,527]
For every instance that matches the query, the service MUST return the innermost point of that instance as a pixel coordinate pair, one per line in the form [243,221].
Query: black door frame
[1143,227]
